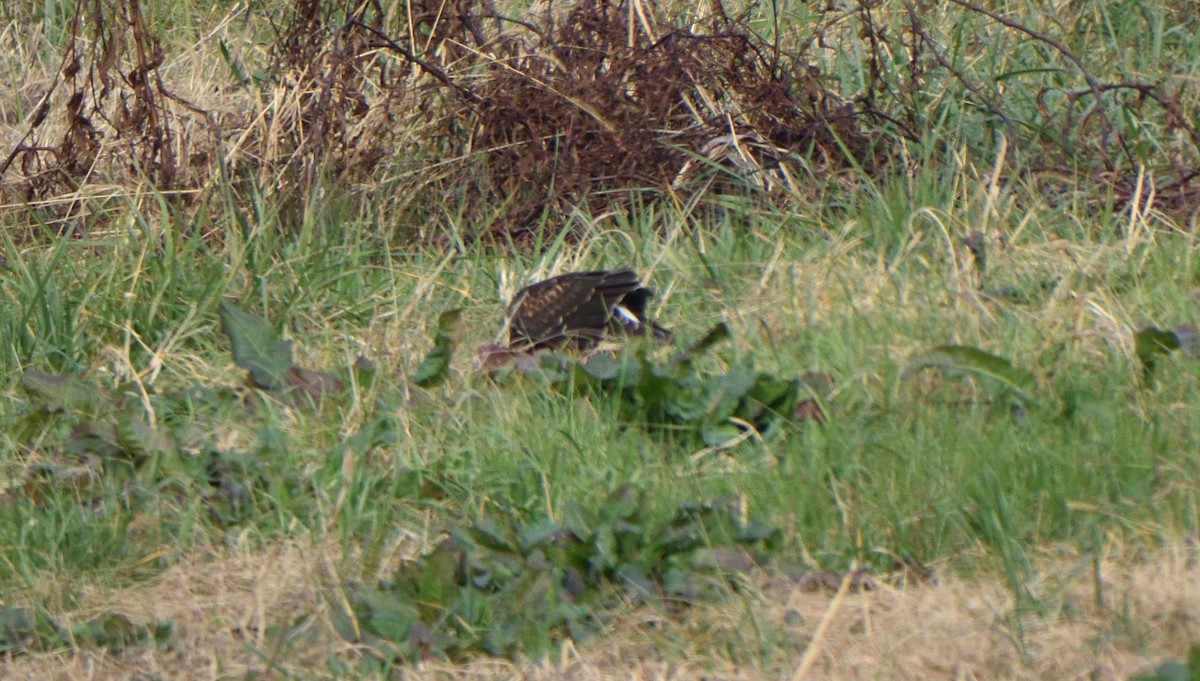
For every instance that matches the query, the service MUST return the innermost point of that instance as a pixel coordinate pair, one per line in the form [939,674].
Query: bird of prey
[580,309]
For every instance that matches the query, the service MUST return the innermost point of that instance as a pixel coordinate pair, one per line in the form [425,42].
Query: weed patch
[504,587]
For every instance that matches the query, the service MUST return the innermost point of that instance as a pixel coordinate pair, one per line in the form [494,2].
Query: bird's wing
[578,304]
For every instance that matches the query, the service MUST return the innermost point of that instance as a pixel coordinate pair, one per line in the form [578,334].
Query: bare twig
[426,66]
[919,30]
[1093,84]
[1145,91]
[43,106]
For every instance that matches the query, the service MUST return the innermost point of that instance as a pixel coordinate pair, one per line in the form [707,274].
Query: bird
[579,309]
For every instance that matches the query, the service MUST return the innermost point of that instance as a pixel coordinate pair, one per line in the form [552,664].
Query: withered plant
[431,111]
[117,121]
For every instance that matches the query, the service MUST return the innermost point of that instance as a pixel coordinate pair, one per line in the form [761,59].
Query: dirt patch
[1121,620]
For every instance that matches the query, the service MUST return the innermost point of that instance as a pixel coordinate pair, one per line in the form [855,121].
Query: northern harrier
[579,309]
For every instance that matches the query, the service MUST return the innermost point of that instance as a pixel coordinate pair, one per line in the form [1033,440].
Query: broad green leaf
[63,392]
[378,431]
[256,347]
[434,578]
[580,520]
[1152,341]
[729,393]
[680,582]
[657,392]
[622,504]
[502,638]
[636,582]
[365,372]
[715,434]
[117,632]
[436,366]
[605,556]
[730,559]
[488,533]
[141,439]
[775,393]
[965,359]
[385,614]
[26,629]
[602,366]
[97,438]
[343,614]
[690,406]
[538,534]
[738,381]
[378,619]
[753,532]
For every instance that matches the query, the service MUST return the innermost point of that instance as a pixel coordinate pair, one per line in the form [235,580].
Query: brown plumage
[579,309]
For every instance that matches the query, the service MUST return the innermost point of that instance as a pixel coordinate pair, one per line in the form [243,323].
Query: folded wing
[579,308]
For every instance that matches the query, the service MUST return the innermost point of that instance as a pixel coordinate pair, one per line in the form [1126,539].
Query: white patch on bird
[626,316]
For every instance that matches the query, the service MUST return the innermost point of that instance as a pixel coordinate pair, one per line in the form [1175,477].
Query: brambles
[117,119]
[507,123]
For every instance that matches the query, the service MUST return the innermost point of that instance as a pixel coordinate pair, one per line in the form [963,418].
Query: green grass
[935,468]
[855,285]
[903,466]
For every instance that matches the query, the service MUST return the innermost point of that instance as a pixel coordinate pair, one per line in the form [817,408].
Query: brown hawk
[579,309]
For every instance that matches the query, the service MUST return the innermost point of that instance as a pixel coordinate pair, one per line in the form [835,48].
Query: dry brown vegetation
[1103,620]
[504,120]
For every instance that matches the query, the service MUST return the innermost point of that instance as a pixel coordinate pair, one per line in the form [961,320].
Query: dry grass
[1136,614]
[226,604]
[520,122]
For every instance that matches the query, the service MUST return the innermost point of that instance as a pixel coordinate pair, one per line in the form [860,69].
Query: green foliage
[676,398]
[106,480]
[111,438]
[27,630]
[63,392]
[259,349]
[150,443]
[504,587]
[436,365]
[1188,670]
[96,456]
[111,427]
[1152,342]
[954,360]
